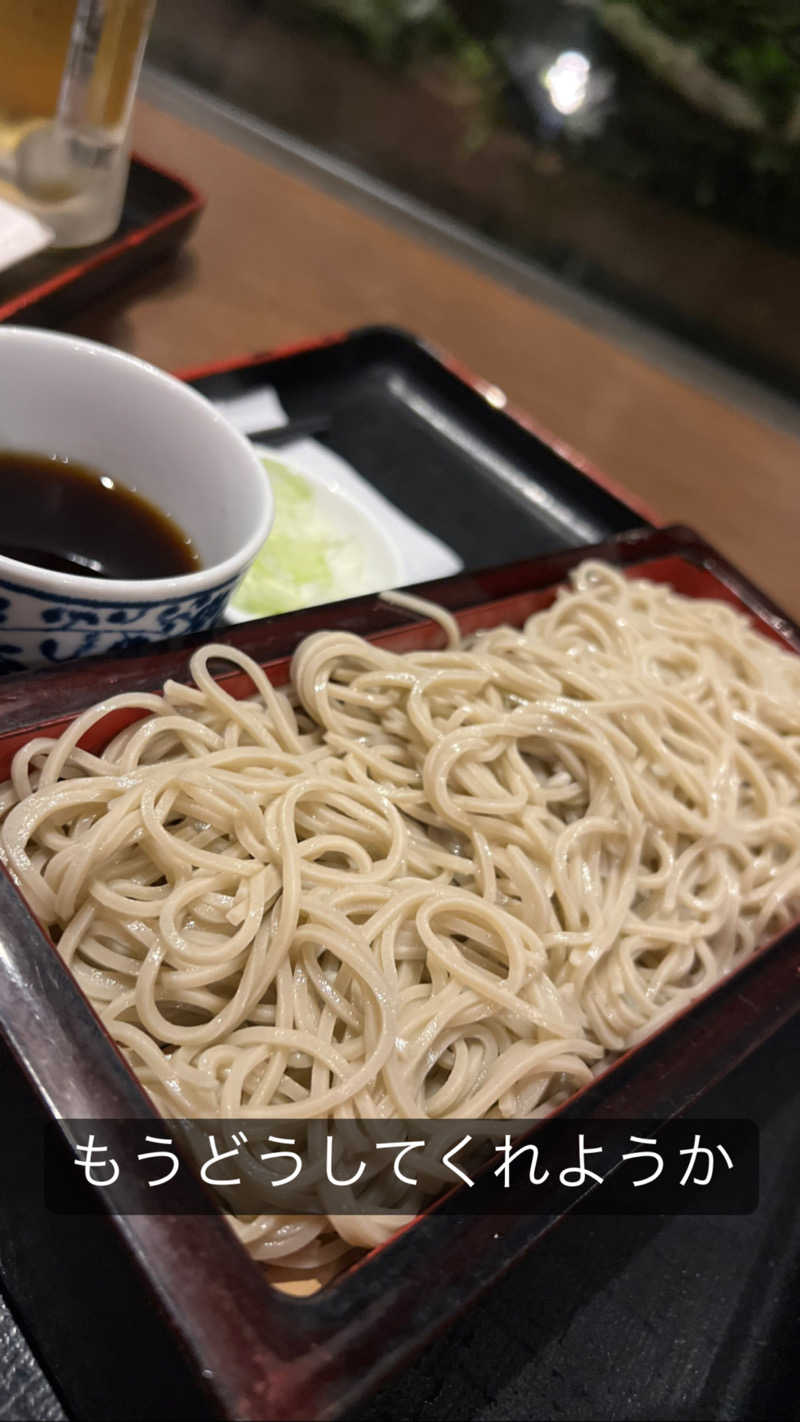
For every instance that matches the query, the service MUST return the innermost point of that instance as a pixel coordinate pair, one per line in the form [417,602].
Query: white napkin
[21,234]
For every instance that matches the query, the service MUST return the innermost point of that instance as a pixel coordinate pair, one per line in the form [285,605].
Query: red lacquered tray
[159,212]
[259,1353]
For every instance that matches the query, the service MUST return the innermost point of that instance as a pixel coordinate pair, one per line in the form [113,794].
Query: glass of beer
[67,84]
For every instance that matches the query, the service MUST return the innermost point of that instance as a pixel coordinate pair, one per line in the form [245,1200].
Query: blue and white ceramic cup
[100,407]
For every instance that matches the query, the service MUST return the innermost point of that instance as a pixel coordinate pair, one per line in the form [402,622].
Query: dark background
[661,203]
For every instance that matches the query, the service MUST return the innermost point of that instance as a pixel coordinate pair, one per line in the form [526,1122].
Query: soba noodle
[428,884]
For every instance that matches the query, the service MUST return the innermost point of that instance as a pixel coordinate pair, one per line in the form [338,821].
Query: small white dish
[398,551]
[380,561]
[127,419]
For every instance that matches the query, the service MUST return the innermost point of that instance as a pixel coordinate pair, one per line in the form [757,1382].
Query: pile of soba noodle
[437,883]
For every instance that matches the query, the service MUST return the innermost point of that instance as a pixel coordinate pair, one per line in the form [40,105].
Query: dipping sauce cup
[86,402]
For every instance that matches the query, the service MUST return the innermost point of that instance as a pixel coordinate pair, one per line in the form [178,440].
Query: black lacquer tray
[224,1342]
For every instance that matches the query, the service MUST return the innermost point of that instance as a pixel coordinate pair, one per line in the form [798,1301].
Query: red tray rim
[193,203]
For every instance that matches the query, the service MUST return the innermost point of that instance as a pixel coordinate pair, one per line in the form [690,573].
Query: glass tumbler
[67,84]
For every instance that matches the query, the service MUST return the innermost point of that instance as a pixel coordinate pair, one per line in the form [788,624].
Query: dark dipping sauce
[61,515]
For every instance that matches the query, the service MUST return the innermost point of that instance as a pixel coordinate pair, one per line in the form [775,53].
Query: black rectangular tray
[159,212]
[440,443]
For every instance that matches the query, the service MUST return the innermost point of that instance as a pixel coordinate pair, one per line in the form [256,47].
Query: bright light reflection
[567,81]
[495,396]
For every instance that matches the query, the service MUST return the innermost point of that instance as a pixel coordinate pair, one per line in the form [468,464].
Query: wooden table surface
[275,261]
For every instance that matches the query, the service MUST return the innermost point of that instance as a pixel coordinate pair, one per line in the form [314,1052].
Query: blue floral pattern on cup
[49,629]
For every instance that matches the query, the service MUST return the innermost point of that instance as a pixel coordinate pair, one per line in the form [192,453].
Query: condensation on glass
[67,84]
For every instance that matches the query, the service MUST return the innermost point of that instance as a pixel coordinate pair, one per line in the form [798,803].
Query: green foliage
[756,43]
[404,34]
[396,31]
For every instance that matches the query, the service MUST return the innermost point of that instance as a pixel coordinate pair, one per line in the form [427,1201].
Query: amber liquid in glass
[66,87]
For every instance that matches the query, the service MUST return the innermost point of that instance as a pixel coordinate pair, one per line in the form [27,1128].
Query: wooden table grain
[276,260]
